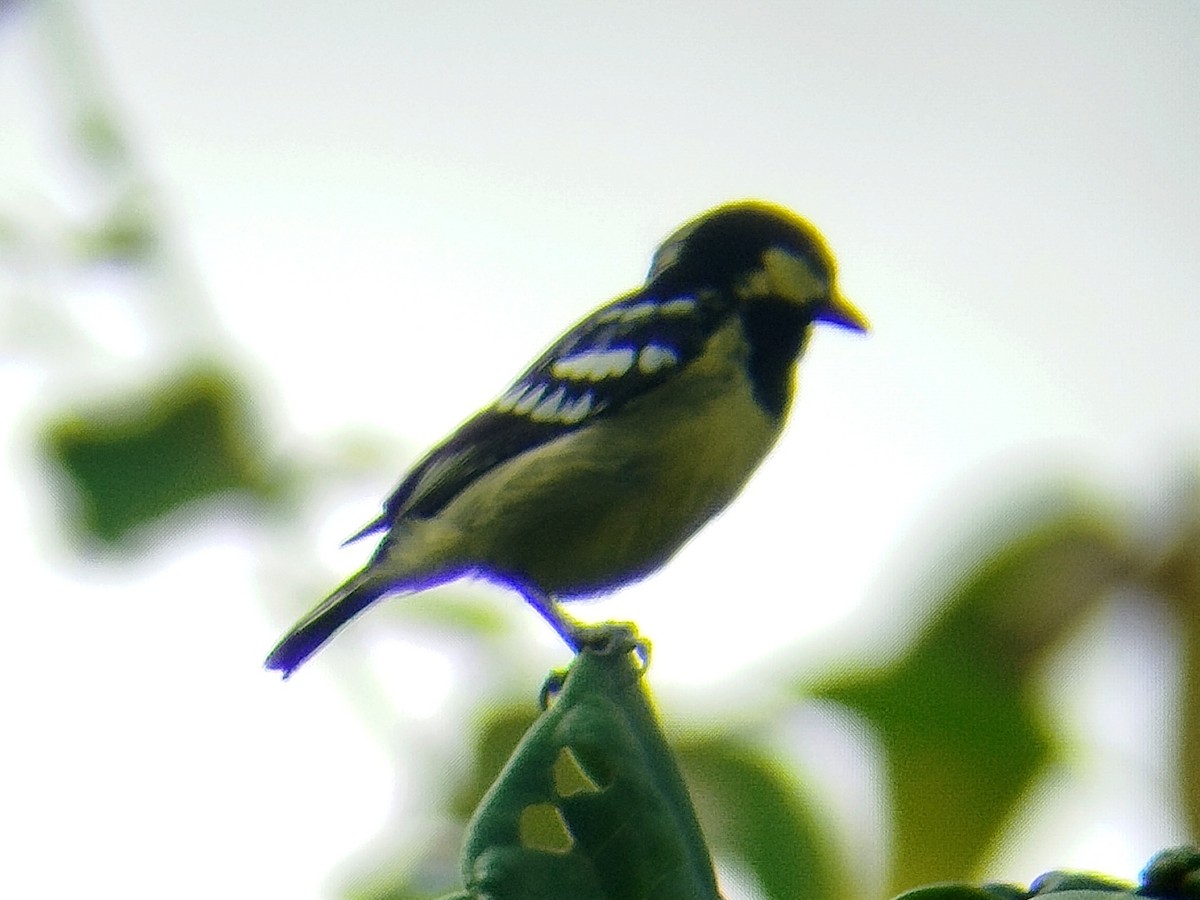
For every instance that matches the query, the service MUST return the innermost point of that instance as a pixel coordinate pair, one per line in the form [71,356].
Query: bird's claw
[609,638]
[605,639]
[550,687]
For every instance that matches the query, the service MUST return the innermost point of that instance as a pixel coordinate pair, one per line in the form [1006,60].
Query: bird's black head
[769,267]
[755,251]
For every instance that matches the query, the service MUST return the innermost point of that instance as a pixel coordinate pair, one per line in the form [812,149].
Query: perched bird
[634,429]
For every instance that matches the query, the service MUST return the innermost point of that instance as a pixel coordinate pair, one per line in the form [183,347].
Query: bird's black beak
[840,311]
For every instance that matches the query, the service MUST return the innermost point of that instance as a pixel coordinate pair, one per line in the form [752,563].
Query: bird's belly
[609,504]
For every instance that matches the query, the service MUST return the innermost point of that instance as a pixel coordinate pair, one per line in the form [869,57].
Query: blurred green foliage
[962,733]
[140,458]
[129,460]
[126,235]
[761,816]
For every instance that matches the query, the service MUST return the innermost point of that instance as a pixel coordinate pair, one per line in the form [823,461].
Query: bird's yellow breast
[610,502]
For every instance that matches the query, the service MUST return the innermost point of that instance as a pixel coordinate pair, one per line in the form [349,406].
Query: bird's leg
[605,638]
[572,631]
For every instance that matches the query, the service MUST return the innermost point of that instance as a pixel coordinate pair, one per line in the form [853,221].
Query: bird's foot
[604,639]
[608,638]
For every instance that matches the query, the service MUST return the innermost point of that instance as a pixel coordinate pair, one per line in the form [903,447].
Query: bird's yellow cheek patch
[786,275]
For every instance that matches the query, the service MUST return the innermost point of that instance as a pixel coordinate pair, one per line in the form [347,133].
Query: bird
[635,428]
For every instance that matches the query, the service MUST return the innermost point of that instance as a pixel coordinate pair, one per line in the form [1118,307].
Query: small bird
[621,441]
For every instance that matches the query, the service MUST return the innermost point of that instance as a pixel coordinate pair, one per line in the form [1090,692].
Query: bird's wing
[621,351]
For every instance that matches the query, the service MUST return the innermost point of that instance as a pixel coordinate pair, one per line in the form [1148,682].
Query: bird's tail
[307,636]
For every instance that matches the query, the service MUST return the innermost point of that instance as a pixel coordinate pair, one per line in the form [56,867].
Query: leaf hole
[570,777]
[543,828]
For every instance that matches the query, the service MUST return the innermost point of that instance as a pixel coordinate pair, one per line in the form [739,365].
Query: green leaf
[143,457]
[1173,873]
[961,735]
[1162,878]
[763,819]
[494,741]
[1060,885]
[1064,881]
[952,892]
[591,804]
[966,892]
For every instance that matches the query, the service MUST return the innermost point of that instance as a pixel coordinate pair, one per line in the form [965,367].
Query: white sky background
[394,206]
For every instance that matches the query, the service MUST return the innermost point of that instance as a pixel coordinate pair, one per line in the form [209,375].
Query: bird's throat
[777,331]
